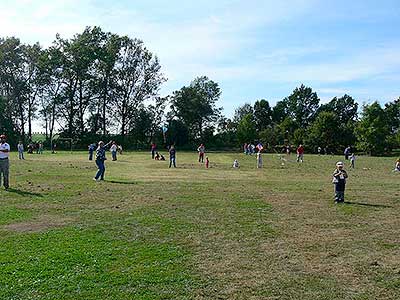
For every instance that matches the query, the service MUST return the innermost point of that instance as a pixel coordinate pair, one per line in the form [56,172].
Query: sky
[254,49]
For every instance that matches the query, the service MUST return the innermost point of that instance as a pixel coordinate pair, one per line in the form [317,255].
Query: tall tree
[13,81]
[262,114]
[302,105]
[279,112]
[195,105]
[325,131]
[246,130]
[139,79]
[242,111]
[344,107]
[373,129]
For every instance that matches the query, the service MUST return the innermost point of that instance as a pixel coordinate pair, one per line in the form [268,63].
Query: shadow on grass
[121,182]
[23,193]
[369,205]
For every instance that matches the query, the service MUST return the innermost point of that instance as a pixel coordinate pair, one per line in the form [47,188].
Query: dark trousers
[4,172]
[339,193]
[153,153]
[90,155]
[172,162]
[101,169]
[201,157]
[114,155]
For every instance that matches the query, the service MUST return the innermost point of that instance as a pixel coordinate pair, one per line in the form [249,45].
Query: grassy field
[149,232]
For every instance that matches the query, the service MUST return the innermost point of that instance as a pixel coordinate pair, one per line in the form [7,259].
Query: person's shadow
[368,204]
[23,193]
[121,182]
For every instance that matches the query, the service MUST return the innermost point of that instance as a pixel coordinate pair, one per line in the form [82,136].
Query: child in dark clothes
[339,180]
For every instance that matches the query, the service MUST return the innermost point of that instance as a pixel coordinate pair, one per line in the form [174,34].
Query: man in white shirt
[4,163]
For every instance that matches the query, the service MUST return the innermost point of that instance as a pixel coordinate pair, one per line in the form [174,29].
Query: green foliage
[262,114]
[302,105]
[373,129]
[325,131]
[246,130]
[195,106]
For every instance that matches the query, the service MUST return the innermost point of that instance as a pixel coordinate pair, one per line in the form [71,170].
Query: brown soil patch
[43,223]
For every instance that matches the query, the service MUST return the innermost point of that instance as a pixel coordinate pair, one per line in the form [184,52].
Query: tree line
[98,84]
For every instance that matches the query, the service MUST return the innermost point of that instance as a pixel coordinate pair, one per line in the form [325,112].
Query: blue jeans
[21,154]
[102,169]
[114,155]
[90,155]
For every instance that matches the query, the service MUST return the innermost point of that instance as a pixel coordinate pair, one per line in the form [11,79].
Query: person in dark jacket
[172,156]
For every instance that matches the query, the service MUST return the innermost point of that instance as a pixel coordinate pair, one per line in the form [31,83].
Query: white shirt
[113,148]
[4,146]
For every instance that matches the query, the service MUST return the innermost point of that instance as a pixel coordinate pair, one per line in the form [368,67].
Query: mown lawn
[149,232]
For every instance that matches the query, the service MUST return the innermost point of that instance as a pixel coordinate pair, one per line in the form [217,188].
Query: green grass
[150,232]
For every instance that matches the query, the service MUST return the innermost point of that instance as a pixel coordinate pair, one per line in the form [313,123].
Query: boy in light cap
[339,180]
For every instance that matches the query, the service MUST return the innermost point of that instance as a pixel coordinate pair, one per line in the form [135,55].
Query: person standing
[172,156]
[207,162]
[113,150]
[352,160]
[153,150]
[339,180]
[20,148]
[40,148]
[100,160]
[300,153]
[201,149]
[91,148]
[259,160]
[347,152]
[319,151]
[4,163]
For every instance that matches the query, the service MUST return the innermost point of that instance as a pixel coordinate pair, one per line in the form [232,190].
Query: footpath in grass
[150,232]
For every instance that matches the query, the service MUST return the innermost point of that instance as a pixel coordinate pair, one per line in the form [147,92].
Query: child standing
[20,150]
[172,156]
[259,160]
[300,153]
[352,160]
[339,180]
[113,150]
[207,162]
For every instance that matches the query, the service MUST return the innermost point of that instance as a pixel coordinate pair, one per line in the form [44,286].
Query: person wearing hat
[4,163]
[339,180]
[100,159]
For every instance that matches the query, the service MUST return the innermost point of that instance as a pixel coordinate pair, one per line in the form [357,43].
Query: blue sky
[253,49]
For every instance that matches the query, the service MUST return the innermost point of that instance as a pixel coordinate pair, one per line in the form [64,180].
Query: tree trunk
[105,107]
[81,112]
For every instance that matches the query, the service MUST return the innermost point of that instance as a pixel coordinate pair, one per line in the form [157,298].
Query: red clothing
[300,150]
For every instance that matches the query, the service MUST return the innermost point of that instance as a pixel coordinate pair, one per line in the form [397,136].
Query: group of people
[250,148]
[114,149]
[339,175]
[33,147]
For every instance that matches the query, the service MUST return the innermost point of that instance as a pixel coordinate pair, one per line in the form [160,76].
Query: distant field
[149,232]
